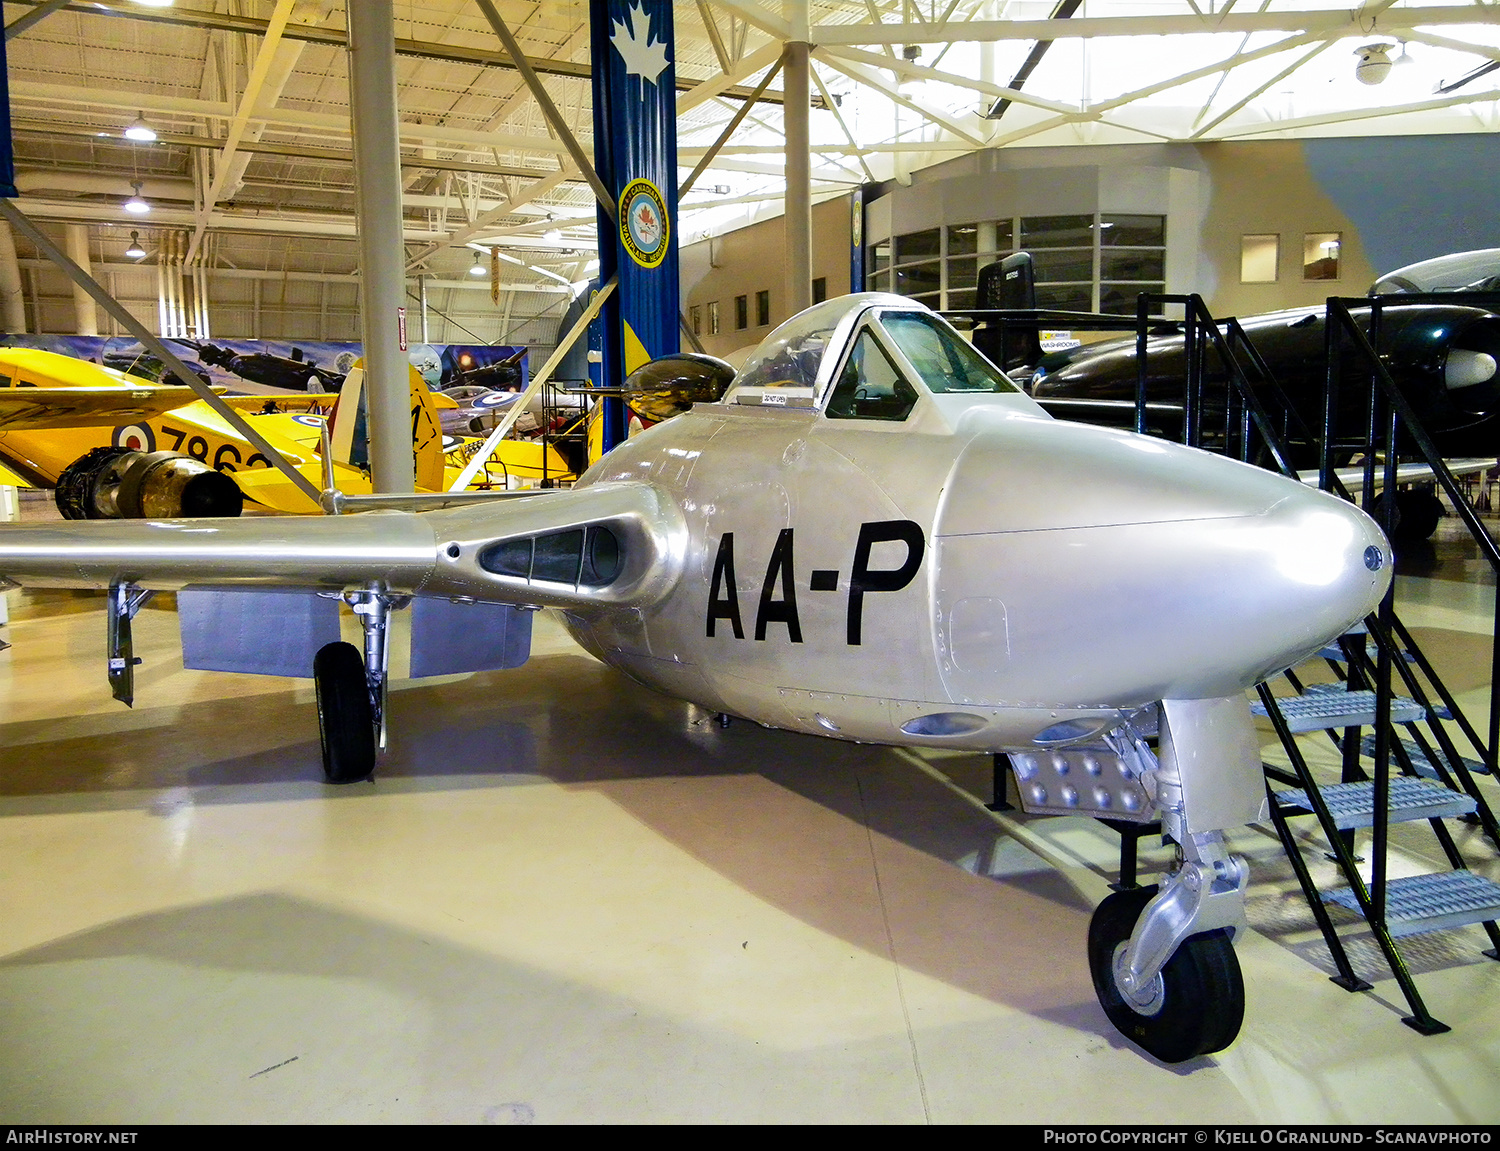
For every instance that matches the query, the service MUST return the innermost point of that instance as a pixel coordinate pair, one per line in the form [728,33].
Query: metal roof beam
[257,78]
[1360,114]
[1328,22]
[296,151]
[337,38]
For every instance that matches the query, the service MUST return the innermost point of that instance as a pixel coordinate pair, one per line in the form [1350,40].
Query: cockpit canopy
[1477,271]
[867,357]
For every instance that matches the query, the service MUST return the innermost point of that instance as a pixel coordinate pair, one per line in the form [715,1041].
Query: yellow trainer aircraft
[66,423]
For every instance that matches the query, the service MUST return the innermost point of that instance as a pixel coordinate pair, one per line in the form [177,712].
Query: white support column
[86,316]
[798,179]
[377,171]
[12,293]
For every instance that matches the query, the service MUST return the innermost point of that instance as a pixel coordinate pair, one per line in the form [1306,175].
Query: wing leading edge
[606,544]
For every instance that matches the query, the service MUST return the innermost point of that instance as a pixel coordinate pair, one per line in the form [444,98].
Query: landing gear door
[1211,745]
[255,632]
[449,637]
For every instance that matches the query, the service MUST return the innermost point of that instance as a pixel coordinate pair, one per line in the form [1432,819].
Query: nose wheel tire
[346,717]
[1194,1007]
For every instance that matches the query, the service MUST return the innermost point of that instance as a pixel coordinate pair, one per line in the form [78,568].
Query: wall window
[713,318]
[1132,259]
[741,313]
[1259,257]
[877,276]
[695,319]
[763,308]
[820,289]
[1083,262]
[1320,255]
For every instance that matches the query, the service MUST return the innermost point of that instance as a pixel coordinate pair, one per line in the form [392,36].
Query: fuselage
[975,574]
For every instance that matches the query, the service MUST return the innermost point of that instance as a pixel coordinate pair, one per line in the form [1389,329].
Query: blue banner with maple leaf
[635,153]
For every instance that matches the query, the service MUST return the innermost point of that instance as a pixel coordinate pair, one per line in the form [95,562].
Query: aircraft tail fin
[426,434]
[351,436]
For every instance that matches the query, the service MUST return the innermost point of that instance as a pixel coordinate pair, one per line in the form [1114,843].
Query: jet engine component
[118,483]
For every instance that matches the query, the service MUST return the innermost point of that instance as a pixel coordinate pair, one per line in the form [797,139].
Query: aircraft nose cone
[1300,574]
[1139,571]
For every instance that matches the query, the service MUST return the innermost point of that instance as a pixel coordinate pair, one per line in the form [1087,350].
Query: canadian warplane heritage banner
[635,153]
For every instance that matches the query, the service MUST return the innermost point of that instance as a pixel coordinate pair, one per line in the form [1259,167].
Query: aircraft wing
[617,543]
[28,408]
[1354,478]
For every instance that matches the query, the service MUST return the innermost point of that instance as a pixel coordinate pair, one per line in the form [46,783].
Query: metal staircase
[1394,722]
[1392,907]
[1400,762]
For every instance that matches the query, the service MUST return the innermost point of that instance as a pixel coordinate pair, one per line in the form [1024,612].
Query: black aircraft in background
[1443,355]
[502,374]
[291,372]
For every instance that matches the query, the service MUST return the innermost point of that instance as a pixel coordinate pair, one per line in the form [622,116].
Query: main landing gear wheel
[346,717]
[1194,1007]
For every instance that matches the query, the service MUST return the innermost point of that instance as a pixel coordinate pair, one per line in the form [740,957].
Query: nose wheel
[1193,1006]
[346,715]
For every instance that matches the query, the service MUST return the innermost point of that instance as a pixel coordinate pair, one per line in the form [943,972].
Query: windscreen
[945,361]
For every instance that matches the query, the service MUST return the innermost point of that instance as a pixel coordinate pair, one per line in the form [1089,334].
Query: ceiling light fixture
[1374,64]
[135,251]
[153,3]
[140,130]
[137,205]
[478,269]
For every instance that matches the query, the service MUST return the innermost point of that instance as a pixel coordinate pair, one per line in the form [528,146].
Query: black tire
[1203,993]
[1417,514]
[346,717]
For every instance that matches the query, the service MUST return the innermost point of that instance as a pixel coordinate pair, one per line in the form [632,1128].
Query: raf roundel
[644,225]
[136,437]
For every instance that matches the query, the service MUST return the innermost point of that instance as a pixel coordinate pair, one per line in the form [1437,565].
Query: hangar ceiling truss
[250,102]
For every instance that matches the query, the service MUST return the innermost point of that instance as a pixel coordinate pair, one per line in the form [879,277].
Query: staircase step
[1352,805]
[1326,706]
[1419,759]
[1421,903]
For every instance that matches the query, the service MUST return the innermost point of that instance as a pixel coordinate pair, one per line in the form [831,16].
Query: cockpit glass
[1477,271]
[944,360]
[790,356]
[870,387]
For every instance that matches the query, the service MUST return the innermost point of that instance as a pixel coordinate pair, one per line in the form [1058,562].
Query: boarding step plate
[1353,804]
[1333,707]
[1421,903]
[1419,761]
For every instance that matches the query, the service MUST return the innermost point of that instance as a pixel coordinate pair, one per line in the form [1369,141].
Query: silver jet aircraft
[873,536]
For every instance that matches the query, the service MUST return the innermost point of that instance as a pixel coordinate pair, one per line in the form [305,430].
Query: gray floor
[569,899]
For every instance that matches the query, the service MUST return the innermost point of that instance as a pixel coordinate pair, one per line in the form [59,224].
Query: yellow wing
[36,408]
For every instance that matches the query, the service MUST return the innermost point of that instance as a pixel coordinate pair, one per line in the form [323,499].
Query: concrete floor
[568,899]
